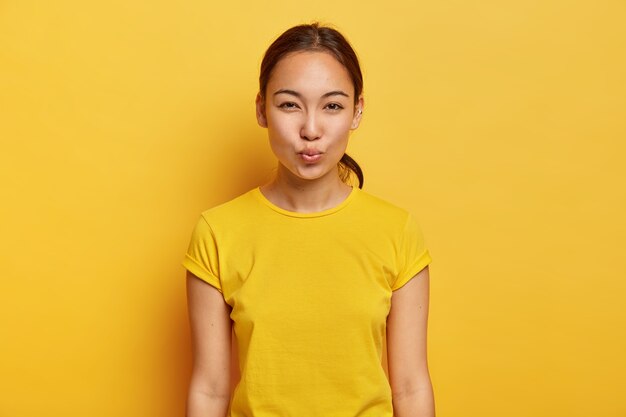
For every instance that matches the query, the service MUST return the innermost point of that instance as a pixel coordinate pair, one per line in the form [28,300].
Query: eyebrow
[296,94]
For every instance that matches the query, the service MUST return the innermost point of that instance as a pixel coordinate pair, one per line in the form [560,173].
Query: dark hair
[314,37]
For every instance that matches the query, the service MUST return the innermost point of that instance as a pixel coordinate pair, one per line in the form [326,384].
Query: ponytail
[348,164]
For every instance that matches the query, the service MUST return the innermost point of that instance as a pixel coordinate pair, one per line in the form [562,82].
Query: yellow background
[501,125]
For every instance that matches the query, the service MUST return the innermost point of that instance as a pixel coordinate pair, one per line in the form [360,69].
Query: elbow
[412,391]
[410,385]
[210,394]
[214,387]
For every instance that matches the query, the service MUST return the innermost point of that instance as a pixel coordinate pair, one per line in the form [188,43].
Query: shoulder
[381,209]
[231,209]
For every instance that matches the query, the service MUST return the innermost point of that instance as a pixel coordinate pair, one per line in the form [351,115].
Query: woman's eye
[334,106]
[288,105]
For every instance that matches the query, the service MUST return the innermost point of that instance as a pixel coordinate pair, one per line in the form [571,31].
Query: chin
[300,172]
[311,176]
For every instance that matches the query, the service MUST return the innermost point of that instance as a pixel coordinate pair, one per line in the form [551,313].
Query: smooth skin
[209,317]
[308,106]
[309,110]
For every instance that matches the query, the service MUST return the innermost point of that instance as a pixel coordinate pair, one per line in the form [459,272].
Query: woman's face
[309,112]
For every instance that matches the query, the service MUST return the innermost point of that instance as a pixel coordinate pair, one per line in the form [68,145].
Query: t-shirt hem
[421,263]
[192,266]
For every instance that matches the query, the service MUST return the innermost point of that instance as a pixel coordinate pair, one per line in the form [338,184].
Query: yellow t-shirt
[310,294]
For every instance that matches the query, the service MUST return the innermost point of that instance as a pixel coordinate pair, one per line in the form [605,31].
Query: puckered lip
[310,152]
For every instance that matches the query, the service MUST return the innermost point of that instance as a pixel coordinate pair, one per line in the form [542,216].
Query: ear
[260,111]
[358,113]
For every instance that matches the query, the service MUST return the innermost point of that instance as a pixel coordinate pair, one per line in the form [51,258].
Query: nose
[311,129]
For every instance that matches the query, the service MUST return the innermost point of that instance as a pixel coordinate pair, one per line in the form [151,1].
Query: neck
[306,196]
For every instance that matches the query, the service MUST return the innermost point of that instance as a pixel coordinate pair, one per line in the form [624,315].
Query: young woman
[311,273]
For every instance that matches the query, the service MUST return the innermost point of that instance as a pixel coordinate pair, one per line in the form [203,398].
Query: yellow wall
[500,124]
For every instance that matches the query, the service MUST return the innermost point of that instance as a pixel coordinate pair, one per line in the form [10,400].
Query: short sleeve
[201,258]
[413,256]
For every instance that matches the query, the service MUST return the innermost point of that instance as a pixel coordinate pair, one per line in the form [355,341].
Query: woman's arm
[209,317]
[406,349]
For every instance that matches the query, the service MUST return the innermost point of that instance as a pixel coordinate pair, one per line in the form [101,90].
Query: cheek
[281,125]
[340,128]
[280,135]
[284,129]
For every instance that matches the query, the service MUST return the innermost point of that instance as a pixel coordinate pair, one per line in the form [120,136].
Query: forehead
[310,71]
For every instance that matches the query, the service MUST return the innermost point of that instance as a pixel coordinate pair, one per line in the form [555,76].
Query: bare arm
[409,378]
[209,317]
